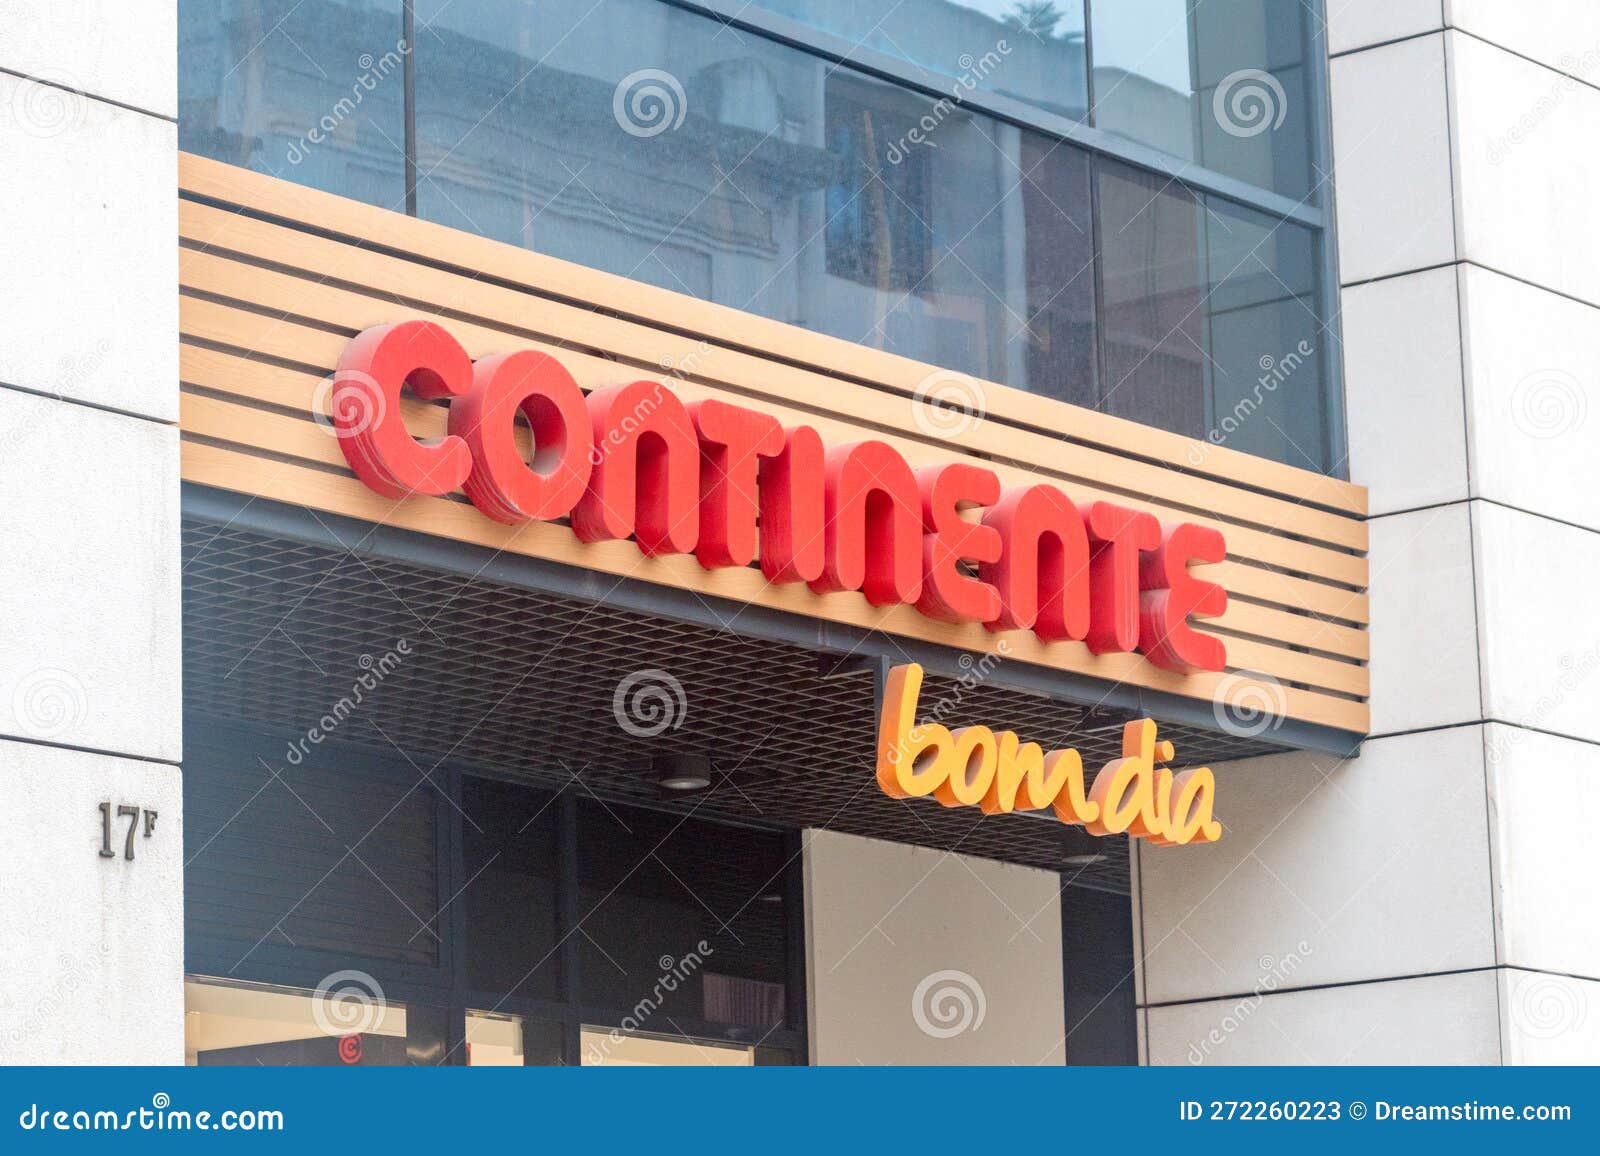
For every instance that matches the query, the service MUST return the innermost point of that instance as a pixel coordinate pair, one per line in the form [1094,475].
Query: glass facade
[665,145]
[338,910]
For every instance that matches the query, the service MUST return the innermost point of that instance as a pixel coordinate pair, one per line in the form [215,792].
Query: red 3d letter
[874,526]
[1172,594]
[1043,571]
[948,593]
[646,479]
[732,442]
[792,486]
[502,484]
[1118,535]
[366,407]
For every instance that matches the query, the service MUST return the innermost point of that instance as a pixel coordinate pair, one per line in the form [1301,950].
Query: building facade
[586,483]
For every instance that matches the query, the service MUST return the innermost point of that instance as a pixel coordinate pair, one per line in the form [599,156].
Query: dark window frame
[445,986]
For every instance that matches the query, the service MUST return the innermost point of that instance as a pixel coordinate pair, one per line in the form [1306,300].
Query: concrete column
[1431,900]
[90,696]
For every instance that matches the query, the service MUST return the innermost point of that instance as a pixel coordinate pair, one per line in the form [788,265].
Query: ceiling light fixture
[682,772]
[1084,859]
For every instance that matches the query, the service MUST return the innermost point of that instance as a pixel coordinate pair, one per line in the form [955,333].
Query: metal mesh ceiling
[276,632]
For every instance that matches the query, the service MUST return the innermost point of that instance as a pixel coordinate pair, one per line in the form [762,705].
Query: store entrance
[448,807]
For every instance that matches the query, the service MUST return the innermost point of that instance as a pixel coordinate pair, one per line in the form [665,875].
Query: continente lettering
[735,487]
[997,772]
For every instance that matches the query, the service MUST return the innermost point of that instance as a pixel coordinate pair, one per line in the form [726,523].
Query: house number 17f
[132,814]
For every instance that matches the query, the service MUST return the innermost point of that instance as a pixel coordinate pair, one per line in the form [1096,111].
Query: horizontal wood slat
[277,335]
[320,260]
[270,304]
[325,212]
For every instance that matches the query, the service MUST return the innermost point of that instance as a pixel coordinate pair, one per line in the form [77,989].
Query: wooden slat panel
[321,259]
[325,490]
[288,340]
[1271,623]
[353,312]
[547,275]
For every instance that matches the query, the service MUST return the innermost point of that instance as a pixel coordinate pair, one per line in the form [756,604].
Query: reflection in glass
[509,864]
[766,178]
[759,177]
[601,1047]
[1210,324]
[311,92]
[1028,49]
[279,1027]
[271,870]
[1152,296]
[1219,82]
[505,1041]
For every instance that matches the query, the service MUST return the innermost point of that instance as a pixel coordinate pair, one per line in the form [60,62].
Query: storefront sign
[634,460]
[977,767]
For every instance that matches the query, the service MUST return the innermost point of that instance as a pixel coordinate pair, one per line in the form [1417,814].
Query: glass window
[1268,389]
[760,177]
[681,918]
[334,853]
[1219,82]
[1032,50]
[348,1024]
[503,1041]
[1152,299]
[654,142]
[509,872]
[1211,325]
[311,92]
[602,1046]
